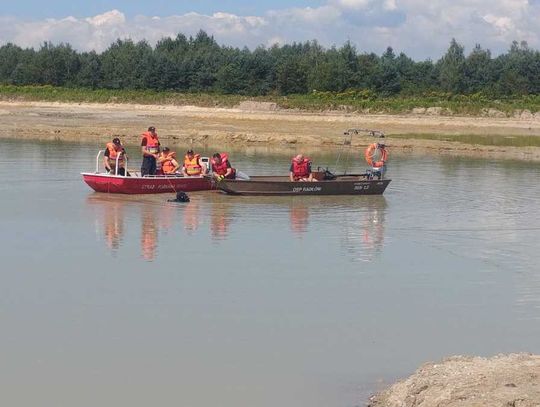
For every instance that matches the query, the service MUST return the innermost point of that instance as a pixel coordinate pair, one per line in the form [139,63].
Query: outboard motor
[329,175]
[376,172]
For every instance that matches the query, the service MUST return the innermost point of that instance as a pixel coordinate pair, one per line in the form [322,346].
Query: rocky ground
[256,124]
[501,381]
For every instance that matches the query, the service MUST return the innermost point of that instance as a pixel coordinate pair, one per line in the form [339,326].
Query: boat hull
[144,185]
[342,185]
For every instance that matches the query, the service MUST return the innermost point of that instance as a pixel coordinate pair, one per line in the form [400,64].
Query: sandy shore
[503,380]
[217,126]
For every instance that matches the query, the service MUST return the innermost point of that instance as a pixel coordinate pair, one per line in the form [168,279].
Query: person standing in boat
[300,169]
[115,150]
[221,167]
[167,159]
[150,148]
[192,165]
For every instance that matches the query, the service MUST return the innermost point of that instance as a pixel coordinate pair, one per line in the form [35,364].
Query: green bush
[352,99]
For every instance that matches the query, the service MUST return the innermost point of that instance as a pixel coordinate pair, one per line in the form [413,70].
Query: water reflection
[220,219]
[167,217]
[363,235]
[192,215]
[113,224]
[298,216]
[109,222]
[357,223]
[149,232]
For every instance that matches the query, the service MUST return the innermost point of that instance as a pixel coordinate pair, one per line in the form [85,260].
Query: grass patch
[349,101]
[484,140]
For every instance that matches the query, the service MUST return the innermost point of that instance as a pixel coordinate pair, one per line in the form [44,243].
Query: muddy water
[229,301]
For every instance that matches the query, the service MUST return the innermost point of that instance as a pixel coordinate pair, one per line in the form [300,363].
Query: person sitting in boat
[301,169]
[192,165]
[221,167]
[150,149]
[376,156]
[114,150]
[167,159]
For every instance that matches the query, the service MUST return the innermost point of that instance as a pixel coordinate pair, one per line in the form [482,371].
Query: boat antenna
[349,133]
[346,141]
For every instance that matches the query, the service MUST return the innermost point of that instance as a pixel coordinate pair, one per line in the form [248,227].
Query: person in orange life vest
[376,155]
[301,169]
[192,166]
[221,167]
[112,151]
[150,149]
[167,159]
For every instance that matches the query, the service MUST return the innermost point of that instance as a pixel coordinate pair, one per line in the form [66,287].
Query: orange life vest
[373,160]
[193,167]
[113,153]
[167,165]
[152,143]
[221,169]
[301,168]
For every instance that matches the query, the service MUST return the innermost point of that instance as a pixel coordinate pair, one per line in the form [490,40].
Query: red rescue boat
[149,184]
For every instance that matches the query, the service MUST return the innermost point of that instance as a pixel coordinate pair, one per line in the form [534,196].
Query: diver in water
[181,196]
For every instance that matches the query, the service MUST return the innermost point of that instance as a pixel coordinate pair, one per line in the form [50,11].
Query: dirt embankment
[253,124]
[501,381]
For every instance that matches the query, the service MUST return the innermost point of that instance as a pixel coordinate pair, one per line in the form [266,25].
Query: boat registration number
[307,189]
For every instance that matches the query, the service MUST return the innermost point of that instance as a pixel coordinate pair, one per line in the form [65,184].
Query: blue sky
[64,8]
[420,28]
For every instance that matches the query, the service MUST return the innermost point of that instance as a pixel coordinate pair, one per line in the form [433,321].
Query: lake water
[282,301]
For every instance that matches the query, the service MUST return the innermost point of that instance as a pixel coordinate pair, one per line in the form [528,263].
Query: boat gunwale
[240,187]
[150,178]
[254,180]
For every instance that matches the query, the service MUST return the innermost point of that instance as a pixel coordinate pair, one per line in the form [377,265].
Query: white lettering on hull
[307,189]
[361,187]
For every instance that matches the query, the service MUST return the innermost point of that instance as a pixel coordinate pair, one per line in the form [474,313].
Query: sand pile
[504,380]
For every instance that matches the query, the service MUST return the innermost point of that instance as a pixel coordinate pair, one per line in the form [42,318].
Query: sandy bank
[217,126]
[504,380]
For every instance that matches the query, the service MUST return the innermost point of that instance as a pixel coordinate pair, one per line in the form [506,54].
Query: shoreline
[257,126]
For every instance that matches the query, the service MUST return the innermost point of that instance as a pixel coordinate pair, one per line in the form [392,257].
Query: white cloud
[111,18]
[390,5]
[305,16]
[504,24]
[419,28]
[351,4]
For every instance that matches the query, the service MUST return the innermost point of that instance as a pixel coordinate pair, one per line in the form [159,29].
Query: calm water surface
[229,301]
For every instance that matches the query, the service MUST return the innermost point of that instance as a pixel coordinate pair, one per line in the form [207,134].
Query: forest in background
[305,75]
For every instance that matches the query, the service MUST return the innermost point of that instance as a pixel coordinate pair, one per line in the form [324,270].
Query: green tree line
[200,64]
